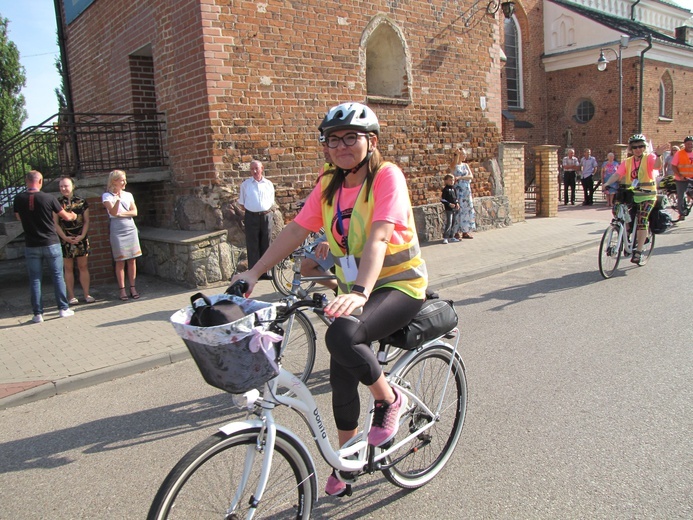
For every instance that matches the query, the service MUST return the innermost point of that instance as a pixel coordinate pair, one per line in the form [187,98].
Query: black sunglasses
[638,146]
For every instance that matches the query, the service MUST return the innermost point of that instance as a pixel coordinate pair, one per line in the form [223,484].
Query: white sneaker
[66,313]
[445,241]
[38,318]
[455,240]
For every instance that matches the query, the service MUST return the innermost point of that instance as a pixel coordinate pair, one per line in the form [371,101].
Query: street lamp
[507,6]
[602,62]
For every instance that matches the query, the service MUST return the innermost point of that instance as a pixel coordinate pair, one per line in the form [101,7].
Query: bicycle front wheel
[426,376]
[610,251]
[208,481]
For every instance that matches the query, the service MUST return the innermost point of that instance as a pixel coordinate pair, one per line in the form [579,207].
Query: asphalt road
[580,406]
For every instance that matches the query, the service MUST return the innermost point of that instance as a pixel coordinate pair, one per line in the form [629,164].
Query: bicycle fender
[234,427]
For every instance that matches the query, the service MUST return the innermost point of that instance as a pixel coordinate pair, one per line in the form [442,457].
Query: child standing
[449,200]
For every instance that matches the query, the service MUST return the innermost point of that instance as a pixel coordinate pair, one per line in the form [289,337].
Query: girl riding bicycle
[636,173]
[364,206]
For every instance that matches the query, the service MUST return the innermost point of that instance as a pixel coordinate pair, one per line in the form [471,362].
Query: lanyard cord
[340,219]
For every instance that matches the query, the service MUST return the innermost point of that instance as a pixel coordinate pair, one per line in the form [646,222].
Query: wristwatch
[359,289]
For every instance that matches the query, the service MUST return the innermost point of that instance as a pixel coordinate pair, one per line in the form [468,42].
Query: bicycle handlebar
[317,303]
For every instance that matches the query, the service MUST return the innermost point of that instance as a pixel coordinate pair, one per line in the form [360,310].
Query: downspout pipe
[68,85]
[63,55]
[642,80]
[632,10]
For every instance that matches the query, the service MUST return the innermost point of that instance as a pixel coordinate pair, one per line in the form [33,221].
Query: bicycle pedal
[346,493]
[348,477]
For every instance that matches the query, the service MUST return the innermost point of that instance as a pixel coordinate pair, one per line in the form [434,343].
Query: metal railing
[79,144]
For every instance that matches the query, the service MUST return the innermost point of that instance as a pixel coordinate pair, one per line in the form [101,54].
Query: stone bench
[195,258]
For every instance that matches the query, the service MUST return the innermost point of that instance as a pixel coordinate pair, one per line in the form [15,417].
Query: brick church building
[240,80]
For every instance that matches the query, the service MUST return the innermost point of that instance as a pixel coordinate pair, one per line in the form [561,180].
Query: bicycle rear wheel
[298,355]
[203,484]
[673,207]
[283,275]
[426,376]
[610,251]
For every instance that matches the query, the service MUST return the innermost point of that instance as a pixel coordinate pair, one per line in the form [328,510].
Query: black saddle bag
[436,318]
[206,314]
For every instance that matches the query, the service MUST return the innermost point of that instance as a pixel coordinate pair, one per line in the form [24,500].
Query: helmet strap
[356,168]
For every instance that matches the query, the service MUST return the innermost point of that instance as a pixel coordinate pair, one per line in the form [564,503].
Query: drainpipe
[68,85]
[642,79]
[632,10]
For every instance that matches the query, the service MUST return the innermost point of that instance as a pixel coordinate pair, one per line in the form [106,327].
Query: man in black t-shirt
[35,210]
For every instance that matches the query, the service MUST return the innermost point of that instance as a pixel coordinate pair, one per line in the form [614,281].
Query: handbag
[208,314]
[436,318]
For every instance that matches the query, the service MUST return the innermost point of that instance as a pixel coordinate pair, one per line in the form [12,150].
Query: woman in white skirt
[125,242]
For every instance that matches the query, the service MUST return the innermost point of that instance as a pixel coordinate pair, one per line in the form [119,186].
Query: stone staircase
[10,229]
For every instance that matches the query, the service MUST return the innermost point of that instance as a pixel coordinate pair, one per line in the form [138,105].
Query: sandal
[123,295]
[133,293]
[89,299]
[466,235]
[636,257]
[73,301]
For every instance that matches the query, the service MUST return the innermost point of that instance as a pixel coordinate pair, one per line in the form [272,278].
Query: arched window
[513,65]
[666,96]
[386,64]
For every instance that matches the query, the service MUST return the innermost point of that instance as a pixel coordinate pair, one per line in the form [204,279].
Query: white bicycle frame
[623,216]
[304,404]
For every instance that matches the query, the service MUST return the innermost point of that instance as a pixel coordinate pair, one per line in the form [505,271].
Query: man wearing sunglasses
[637,173]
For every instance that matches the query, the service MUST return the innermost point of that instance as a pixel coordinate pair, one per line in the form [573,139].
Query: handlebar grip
[238,288]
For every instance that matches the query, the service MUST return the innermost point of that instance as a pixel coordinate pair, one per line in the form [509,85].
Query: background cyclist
[638,173]
[682,166]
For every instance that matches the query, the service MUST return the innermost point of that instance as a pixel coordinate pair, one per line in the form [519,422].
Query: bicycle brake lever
[238,288]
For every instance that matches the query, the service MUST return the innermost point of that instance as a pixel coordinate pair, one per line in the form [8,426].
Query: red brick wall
[100,259]
[246,80]
[681,124]
[551,98]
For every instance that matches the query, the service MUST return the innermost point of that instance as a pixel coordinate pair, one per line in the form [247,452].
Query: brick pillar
[620,152]
[511,159]
[546,168]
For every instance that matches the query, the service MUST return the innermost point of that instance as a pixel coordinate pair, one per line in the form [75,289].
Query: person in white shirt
[257,199]
[570,165]
[588,167]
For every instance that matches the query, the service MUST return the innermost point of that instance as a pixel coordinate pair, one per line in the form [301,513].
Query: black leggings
[352,360]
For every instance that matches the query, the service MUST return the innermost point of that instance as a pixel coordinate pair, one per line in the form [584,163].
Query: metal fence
[79,144]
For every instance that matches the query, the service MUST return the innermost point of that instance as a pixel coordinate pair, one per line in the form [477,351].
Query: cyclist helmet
[636,138]
[688,138]
[350,116]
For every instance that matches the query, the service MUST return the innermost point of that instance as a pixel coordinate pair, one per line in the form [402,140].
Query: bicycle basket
[235,357]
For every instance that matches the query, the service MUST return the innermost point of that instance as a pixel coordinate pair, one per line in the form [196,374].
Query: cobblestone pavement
[110,338]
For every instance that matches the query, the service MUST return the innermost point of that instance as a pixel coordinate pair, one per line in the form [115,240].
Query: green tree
[12,79]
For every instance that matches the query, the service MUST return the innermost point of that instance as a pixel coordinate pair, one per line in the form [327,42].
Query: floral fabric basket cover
[235,357]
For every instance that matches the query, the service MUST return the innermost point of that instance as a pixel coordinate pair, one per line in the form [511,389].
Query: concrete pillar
[546,168]
[511,158]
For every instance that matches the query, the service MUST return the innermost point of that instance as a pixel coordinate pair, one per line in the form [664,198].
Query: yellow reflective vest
[403,267]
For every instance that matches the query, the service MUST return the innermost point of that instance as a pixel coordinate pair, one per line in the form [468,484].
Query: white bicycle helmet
[350,116]
[636,138]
